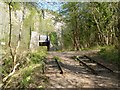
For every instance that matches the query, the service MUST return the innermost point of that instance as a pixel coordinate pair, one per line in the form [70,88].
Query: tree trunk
[19,38]
[74,44]
[77,44]
[10,31]
[110,36]
[118,36]
[106,39]
[29,37]
[77,35]
[118,32]
[97,24]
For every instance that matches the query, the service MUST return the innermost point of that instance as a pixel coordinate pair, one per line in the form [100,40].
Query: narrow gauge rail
[92,61]
[90,68]
[59,66]
[86,64]
[99,63]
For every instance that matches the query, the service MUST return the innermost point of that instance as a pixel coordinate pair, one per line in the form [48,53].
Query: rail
[59,66]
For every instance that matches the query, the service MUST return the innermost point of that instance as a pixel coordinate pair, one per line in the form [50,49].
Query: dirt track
[75,75]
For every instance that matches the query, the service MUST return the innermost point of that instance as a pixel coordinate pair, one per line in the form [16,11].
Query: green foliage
[53,38]
[90,24]
[26,78]
[94,48]
[67,39]
[110,54]
[57,58]
[7,66]
[29,21]
[46,26]
[29,61]
[38,56]
[26,75]
[16,5]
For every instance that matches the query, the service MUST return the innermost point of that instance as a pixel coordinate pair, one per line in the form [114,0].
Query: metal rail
[91,69]
[59,66]
[99,63]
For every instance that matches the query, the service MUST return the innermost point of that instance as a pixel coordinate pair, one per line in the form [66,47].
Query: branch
[4,79]
[97,23]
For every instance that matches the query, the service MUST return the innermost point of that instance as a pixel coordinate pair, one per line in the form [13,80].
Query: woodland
[85,26]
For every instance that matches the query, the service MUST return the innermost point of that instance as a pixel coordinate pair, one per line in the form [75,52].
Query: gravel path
[75,74]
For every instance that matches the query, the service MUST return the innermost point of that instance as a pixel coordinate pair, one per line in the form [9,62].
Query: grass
[93,48]
[22,78]
[57,58]
[110,54]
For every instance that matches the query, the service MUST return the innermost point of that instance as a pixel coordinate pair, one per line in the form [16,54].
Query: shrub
[38,56]
[110,54]
[28,63]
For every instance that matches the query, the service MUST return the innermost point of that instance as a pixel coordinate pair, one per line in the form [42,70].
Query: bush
[38,56]
[26,78]
[7,65]
[29,62]
[36,61]
[110,54]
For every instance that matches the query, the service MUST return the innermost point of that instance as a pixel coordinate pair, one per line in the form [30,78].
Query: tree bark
[118,36]
[19,38]
[10,31]
[77,34]
[74,44]
[13,71]
[30,38]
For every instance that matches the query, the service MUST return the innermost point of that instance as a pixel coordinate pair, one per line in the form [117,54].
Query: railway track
[92,65]
[81,71]
[59,66]
[54,67]
[70,71]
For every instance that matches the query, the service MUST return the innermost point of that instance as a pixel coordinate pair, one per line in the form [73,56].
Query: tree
[10,31]
[20,31]
[91,24]
[118,33]
[72,18]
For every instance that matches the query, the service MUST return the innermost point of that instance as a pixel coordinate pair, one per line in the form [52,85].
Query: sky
[55,6]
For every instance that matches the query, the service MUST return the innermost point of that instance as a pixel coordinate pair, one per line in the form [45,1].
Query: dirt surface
[76,75]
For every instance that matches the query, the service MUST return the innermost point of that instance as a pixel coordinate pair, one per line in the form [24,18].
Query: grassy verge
[110,54]
[92,48]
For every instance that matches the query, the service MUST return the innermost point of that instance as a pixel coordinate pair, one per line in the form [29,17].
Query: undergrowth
[24,75]
[110,54]
[57,58]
